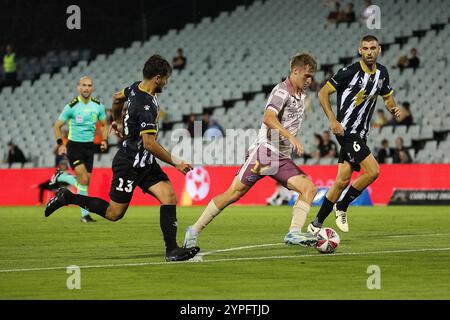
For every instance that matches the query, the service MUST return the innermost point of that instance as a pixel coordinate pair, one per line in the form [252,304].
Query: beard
[158,89]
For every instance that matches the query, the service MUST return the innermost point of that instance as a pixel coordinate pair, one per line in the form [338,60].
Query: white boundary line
[231,259]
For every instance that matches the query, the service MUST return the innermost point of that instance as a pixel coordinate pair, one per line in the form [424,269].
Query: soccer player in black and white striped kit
[358,87]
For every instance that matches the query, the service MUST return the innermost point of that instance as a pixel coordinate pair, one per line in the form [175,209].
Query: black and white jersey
[140,116]
[357,90]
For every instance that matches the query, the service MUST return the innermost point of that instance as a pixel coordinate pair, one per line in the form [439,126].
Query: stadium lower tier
[20,186]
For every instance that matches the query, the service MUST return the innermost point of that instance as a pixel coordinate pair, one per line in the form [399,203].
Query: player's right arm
[60,147]
[324,98]
[277,100]
[117,104]
[270,119]
[65,115]
[151,145]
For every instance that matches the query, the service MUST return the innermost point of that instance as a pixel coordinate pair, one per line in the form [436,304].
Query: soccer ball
[327,240]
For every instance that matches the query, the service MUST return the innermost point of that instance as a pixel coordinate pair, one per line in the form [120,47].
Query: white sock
[210,212]
[299,214]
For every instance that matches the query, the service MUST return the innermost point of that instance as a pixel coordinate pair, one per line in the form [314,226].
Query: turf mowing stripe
[240,248]
[232,259]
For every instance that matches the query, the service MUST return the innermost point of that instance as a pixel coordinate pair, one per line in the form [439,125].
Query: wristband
[59,142]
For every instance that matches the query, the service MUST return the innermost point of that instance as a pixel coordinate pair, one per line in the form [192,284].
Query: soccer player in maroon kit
[270,155]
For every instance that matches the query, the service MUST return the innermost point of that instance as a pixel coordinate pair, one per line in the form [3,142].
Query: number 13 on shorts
[128,188]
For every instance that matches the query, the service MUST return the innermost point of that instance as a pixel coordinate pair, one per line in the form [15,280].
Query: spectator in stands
[401,63]
[385,152]
[349,13]
[380,119]
[179,61]
[15,154]
[9,67]
[335,14]
[205,122]
[406,118]
[328,149]
[214,130]
[280,197]
[401,154]
[314,152]
[414,61]
[190,125]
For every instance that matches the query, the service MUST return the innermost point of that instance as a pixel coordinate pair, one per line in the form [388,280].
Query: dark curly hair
[156,66]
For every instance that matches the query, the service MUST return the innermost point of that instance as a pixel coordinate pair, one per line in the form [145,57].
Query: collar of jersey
[366,68]
[81,100]
[139,87]
[291,91]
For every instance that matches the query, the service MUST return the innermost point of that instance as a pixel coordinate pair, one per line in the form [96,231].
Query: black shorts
[81,153]
[353,150]
[126,177]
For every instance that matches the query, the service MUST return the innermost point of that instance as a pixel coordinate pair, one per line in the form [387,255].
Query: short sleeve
[147,121]
[277,99]
[386,89]
[101,113]
[66,114]
[341,79]
[126,92]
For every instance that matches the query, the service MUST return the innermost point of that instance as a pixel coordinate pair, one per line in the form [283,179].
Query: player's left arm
[388,95]
[104,128]
[391,106]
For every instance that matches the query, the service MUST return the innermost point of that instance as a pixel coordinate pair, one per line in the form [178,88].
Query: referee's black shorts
[81,153]
[353,150]
[126,177]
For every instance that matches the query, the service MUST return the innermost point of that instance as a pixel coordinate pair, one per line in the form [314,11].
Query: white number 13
[128,188]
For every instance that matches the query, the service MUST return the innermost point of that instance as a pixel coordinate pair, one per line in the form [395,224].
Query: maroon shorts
[261,162]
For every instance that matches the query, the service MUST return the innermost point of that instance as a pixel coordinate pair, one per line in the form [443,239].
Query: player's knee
[307,187]
[342,183]
[115,214]
[169,198]
[115,218]
[234,196]
[374,174]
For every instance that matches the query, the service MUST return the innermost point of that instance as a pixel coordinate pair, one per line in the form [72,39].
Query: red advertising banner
[20,186]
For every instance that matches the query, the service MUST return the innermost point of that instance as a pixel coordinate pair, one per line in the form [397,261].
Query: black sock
[323,213]
[91,204]
[351,195]
[168,223]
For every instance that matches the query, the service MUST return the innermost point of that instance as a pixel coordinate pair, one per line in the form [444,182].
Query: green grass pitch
[125,259]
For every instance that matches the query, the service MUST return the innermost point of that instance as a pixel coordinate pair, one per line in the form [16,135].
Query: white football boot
[313,230]
[341,219]
[190,238]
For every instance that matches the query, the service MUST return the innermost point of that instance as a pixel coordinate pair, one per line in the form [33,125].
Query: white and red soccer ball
[327,240]
[198,183]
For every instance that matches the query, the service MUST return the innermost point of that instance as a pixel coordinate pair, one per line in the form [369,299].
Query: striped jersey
[357,90]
